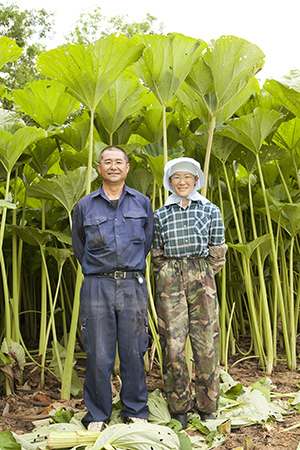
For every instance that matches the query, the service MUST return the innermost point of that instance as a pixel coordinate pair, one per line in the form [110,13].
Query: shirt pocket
[134,224]
[202,227]
[96,232]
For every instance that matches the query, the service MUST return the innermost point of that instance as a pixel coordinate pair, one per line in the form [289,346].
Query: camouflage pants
[186,304]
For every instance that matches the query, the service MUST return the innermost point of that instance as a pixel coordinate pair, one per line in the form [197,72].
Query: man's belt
[120,275]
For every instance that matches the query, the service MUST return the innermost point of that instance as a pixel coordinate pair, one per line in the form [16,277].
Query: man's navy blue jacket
[107,239]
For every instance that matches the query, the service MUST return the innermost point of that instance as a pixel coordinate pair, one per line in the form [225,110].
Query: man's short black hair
[113,147]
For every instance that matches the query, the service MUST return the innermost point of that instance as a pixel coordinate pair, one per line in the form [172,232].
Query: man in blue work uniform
[112,234]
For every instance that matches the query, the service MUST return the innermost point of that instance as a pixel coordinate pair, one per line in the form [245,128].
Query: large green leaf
[156,164]
[233,62]
[89,71]
[42,156]
[154,156]
[269,153]
[61,237]
[263,99]
[158,408]
[194,100]
[8,442]
[204,105]
[287,90]
[139,179]
[288,135]
[123,99]
[248,249]
[60,254]
[166,62]
[33,236]
[76,135]
[18,350]
[151,129]
[7,204]
[222,146]
[9,51]
[291,211]
[46,102]
[222,79]
[10,121]
[67,189]
[13,145]
[126,129]
[252,130]
[252,407]
[245,157]
[138,436]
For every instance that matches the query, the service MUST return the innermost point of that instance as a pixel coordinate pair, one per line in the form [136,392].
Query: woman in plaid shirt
[188,249]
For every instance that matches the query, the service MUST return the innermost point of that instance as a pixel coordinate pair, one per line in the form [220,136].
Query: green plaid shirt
[188,232]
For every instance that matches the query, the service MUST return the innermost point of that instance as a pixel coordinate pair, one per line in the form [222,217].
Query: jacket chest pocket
[134,225]
[96,232]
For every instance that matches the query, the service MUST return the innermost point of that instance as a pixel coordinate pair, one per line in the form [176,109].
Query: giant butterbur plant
[158,97]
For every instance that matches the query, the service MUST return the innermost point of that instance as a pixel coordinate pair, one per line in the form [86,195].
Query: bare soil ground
[29,403]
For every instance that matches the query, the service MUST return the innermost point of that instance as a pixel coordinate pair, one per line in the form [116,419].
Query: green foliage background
[158,97]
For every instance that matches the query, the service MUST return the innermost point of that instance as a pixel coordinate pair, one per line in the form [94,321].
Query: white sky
[273,25]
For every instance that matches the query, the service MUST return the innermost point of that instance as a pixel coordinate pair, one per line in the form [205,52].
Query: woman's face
[183,183]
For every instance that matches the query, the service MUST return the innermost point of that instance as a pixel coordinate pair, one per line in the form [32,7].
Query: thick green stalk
[64,318]
[295,167]
[222,318]
[68,368]
[247,278]
[7,312]
[297,306]
[20,249]
[51,324]
[6,300]
[43,319]
[4,211]
[153,195]
[292,324]
[90,158]
[238,203]
[227,339]
[160,197]
[8,325]
[208,153]
[67,375]
[149,287]
[237,296]
[155,337]
[68,439]
[290,353]
[15,273]
[274,296]
[267,329]
[165,143]
[223,349]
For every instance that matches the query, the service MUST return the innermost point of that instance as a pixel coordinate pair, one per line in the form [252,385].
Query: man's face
[113,168]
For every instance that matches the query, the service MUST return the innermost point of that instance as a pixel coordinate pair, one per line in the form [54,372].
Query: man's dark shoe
[206,416]
[182,418]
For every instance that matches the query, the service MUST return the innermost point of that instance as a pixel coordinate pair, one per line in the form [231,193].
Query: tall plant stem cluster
[158,97]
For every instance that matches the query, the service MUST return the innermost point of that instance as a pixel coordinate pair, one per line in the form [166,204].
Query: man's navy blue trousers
[114,310]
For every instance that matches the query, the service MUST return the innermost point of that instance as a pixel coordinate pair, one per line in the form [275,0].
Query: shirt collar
[100,191]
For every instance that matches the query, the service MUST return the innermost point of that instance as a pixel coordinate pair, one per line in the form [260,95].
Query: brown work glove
[157,258]
[216,257]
